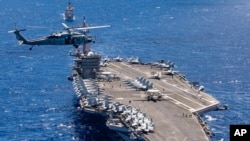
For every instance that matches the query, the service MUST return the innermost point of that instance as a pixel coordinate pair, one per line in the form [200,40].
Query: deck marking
[174,85]
[168,84]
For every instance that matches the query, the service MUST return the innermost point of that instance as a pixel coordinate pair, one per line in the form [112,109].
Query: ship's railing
[204,126]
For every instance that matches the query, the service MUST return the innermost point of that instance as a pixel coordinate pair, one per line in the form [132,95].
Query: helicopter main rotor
[83,28]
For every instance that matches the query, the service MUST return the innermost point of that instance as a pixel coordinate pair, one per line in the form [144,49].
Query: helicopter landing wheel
[31,47]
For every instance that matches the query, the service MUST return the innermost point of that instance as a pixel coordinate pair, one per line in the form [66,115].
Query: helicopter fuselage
[73,36]
[59,38]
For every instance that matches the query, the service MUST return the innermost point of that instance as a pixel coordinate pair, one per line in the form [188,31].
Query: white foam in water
[209,118]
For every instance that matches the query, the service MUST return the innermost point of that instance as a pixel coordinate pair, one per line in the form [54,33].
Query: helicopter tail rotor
[19,37]
[16,30]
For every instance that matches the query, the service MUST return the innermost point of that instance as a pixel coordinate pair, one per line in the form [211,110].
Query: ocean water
[207,39]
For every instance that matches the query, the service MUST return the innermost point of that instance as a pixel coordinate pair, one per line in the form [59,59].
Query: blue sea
[207,39]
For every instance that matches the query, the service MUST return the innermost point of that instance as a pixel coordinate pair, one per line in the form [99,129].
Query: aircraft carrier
[141,101]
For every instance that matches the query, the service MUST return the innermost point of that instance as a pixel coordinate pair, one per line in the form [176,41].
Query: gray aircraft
[71,36]
[154,95]
[134,60]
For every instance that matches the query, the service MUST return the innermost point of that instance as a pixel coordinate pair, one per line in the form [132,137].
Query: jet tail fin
[19,37]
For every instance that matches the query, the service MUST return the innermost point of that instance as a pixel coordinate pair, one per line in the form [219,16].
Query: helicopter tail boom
[19,37]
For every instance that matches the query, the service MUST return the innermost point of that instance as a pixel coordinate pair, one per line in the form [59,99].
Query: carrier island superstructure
[142,101]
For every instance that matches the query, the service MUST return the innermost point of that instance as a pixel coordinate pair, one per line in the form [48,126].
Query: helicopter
[71,36]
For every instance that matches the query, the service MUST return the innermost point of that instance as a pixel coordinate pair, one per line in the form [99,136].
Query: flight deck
[175,115]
